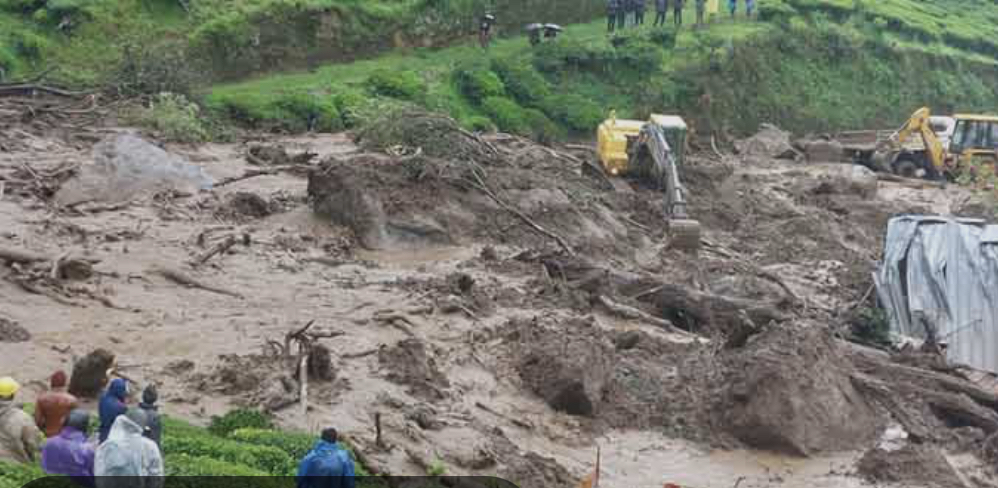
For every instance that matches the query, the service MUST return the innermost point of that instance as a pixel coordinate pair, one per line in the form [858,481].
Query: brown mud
[501,312]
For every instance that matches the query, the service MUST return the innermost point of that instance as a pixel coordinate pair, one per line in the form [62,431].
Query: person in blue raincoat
[112,404]
[327,465]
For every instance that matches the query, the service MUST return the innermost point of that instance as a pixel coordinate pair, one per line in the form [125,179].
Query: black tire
[906,167]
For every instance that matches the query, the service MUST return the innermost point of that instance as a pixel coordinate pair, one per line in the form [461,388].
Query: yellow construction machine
[974,137]
[651,151]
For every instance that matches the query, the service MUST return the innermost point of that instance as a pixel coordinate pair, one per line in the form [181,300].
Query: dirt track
[457,378]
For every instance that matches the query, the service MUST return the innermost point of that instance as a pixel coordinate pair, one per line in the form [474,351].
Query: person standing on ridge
[701,5]
[327,465]
[661,10]
[677,13]
[485,30]
[611,14]
[112,404]
[639,12]
[52,407]
[19,436]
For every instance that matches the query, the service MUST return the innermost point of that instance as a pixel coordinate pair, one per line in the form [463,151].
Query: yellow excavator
[974,137]
[651,151]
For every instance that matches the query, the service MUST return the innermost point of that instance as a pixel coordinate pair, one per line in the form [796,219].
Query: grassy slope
[795,67]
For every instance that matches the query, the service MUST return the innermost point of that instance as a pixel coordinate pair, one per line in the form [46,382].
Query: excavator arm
[652,159]
[918,123]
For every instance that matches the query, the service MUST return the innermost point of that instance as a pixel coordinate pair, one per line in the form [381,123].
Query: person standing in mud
[327,465]
[52,407]
[661,10]
[112,404]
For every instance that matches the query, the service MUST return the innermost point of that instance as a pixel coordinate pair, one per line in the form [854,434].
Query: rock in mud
[838,179]
[569,367]
[247,204]
[344,196]
[769,142]
[823,151]
[912,465]
[409,363]
[11,331]
[789,390]
[90,373]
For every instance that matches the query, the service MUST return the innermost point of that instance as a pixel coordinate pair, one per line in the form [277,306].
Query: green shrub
[477,82]
[308,111]
[174,118]
[351,105]
[477,123]
[239,418]
[507,115]
[521,80]
[16,475]
[294,444]
[663,36]
[264,458]
[542,129]
[871,326]
[404,84]
[574,111]
[149,66]
[181,464]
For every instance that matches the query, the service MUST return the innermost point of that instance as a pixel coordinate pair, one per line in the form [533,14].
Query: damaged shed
[941,274]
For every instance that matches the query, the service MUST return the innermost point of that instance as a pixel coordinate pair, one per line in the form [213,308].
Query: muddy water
[161,322]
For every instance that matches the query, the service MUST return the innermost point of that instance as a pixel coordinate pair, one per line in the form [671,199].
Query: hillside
[798,64]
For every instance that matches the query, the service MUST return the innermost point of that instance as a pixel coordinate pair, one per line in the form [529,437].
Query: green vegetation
[174,117]
[242,442]
[871,326]
[240,418]
[797,65]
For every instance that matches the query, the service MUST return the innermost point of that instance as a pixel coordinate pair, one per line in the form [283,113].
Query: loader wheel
[906,167]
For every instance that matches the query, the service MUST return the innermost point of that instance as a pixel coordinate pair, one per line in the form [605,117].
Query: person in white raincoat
[126,458]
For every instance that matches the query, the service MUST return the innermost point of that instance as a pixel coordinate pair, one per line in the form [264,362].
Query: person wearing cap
[154,427]
[112,404]
[69,453]
[127,459]
[52,407]
[19,436]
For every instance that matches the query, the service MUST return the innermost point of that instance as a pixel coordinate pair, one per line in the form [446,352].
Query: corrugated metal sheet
[945,272]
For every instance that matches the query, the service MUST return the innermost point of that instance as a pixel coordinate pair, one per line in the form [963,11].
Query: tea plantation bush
[406,85]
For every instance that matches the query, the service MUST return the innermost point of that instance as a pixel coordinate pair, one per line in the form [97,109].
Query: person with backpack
[327,465]
[148,405]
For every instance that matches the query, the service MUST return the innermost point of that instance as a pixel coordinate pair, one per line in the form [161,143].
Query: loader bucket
[684,234]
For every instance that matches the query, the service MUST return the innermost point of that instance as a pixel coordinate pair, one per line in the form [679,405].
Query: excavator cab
[975,137]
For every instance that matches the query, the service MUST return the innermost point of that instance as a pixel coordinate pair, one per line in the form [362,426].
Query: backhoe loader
[651,151]
[974,137]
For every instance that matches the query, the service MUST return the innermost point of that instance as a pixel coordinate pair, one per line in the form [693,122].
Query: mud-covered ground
[486,308]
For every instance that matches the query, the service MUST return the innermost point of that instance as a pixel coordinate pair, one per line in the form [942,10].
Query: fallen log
[699,309]
[20,256]
[180,278]
[874,366]
[631,313]
[219,248]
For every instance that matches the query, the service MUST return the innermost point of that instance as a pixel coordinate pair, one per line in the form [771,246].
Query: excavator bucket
[684,234]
